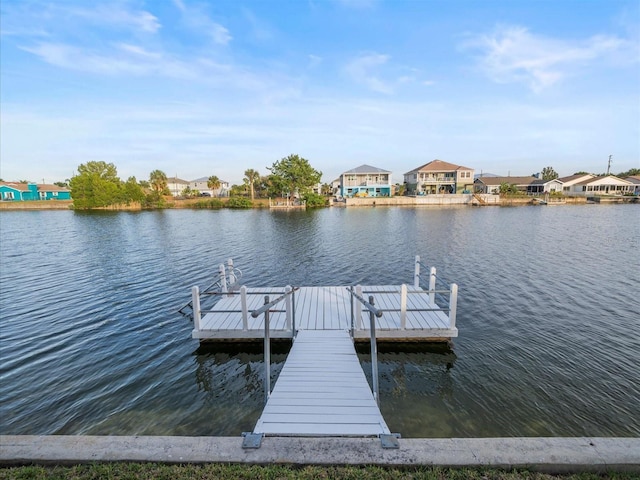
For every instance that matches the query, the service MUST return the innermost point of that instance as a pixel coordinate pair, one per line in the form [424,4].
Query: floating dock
[322,390]
[424,310]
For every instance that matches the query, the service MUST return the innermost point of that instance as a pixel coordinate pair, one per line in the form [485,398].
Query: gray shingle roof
[367,169]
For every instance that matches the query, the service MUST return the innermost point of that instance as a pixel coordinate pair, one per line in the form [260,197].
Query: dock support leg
[453,305]
[245,312]
[416,273]
[195,302]
[403,306]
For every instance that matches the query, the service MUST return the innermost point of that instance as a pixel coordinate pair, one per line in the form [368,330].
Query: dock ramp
[322,391]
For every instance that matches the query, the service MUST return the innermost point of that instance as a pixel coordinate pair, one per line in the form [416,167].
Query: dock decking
[322,391]
[410,313]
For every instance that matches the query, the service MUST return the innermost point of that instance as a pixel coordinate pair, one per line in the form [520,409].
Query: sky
[200,88]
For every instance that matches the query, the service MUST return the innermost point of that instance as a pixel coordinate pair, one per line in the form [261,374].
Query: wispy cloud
[363,70]
[514,54]
[197,19]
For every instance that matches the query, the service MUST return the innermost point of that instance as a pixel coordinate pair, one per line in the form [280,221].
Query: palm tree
[251,177]
[213,183]
[158,181]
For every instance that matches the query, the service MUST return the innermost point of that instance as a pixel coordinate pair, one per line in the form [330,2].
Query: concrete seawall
[552,455]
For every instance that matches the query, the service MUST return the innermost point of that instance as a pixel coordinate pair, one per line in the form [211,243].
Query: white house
[603,185]
[569,182]
[366,180]
[635,180]
[200,184]
[176,185]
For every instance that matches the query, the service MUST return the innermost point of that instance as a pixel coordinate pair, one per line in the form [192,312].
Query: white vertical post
[232,276]
[403,306]
[432,286]
[416,273]
[245,311]
[358,308]
[223,278]
[453,305]
[195,303]
[288,309]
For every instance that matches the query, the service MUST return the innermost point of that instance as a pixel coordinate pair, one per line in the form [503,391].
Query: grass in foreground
[278,472]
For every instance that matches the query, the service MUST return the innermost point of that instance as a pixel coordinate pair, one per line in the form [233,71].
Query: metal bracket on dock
[390,440]
[251,440]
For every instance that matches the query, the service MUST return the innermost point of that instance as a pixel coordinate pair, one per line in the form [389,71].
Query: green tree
[237,190]
[251,177]
[213,182]
[158,182]
[295,174]
[508,188]
[548,173]
[96,185]
[629,173]
[132,191]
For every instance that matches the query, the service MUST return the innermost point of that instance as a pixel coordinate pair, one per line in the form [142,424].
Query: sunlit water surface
[549,317]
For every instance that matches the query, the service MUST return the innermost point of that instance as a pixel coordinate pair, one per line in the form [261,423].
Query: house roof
[47,187]
[438,166]
[510,180]
[21,187]
[635,179]
[367,169]
[574,178]
[176,180]
[205,179]
[601,180]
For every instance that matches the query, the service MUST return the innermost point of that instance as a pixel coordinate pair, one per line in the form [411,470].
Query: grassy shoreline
[251,472]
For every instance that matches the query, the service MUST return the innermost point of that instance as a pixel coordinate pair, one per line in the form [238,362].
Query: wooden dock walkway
[322,391]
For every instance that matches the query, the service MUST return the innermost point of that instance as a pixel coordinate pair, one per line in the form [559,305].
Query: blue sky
[199,88]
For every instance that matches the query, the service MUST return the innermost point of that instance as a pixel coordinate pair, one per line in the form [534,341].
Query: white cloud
[197,20]
[514,54]
[361,70]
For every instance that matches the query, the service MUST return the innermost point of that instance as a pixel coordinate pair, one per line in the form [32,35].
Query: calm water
[549,317]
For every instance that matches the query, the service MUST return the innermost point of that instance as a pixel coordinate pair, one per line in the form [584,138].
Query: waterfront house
[439,177]
[569,182]
[18,192]
[176,185]
[53,192]
[531,185]
[200,184]
[603,185]
[635,180]
[366,181]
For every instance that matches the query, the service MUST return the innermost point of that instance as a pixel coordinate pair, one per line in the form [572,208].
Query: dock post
[453,305]
[287,302]
[267,354]
[245,311]
[403,306]
[232,275]
[416,273]
[374,353]
[223,278]
[195,301]
[358,309]
[353,314]
[432,286]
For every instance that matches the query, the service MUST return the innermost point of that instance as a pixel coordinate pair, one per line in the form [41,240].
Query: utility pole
[609,166]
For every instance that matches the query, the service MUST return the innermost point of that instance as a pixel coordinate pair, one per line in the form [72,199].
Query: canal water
[548,313]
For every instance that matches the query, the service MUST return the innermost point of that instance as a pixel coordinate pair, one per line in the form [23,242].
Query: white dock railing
[228,280]
[440,293]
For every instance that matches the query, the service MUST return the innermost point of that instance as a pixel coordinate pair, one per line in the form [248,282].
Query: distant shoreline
[433,201]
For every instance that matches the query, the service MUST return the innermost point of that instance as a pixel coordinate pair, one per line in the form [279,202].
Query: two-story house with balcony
[439,177]
[366,181]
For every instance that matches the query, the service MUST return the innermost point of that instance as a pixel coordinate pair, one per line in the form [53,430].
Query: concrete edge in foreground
[553,455]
